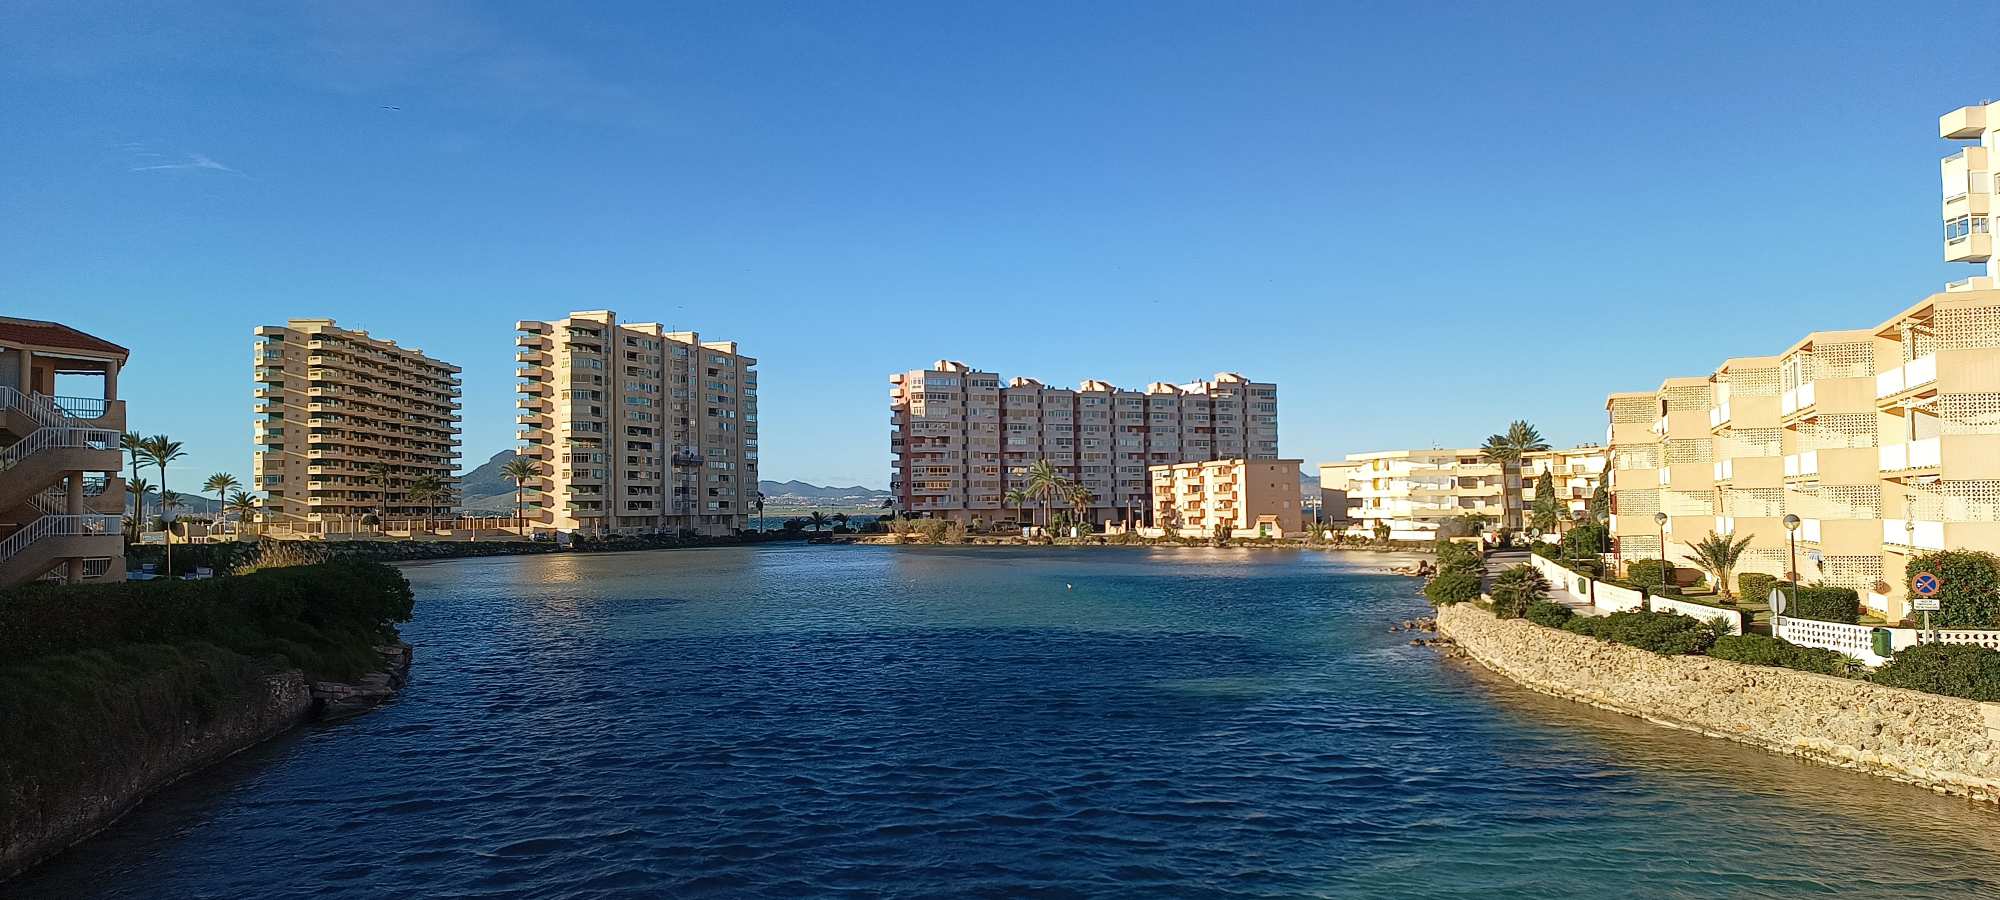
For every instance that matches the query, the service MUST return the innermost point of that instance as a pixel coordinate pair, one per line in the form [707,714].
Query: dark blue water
[870,721]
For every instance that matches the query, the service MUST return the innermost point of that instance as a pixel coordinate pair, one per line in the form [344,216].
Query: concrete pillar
[27,371]
[110,382]
[73,505]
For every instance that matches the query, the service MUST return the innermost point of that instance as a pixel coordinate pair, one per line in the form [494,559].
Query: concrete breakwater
[1944,743]
[176,743]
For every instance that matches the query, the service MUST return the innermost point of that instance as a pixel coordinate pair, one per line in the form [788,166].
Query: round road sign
[1924,584]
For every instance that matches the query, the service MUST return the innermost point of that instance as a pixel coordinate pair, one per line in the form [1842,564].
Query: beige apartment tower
[1878,443]
[347,424]
[635,429]
[961,439]
[61,499]
[1245,497]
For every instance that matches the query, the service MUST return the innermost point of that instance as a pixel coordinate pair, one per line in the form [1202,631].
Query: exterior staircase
[56,437]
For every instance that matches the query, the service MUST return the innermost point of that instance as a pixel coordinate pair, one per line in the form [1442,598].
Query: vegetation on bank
[95,677]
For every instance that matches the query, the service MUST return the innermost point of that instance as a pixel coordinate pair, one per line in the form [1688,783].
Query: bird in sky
[392,107]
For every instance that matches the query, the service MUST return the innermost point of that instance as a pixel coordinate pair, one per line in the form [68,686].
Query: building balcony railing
[1799,465]
[1914,533]
[1910,376]
[1923,453]
[1797,399]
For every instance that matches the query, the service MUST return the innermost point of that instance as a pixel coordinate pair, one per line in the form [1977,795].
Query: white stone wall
[1943,743]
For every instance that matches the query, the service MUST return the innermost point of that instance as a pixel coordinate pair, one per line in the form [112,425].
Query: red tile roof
[36,333]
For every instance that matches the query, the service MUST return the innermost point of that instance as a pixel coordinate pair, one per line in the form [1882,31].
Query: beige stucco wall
[1943,743]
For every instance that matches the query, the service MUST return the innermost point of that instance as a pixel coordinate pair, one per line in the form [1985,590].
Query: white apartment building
[1416,491]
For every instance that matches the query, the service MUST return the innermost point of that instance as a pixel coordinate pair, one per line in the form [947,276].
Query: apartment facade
[961,440]
[61,498]
[346,424]
[1574,473]
[1883,442]
[635,429]
[1414,492]
[1247,497]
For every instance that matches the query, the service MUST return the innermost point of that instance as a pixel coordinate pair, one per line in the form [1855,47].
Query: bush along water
[1670,634]
[1517,589]
[1457,578]
[1954,670]
[1761,650]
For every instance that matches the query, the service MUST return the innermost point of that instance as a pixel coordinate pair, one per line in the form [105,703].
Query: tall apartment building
[61,499]
[346,423]
[1415,492]
[634,428]
[1884,442]
[1250,498]
[962,440]
[1574,473]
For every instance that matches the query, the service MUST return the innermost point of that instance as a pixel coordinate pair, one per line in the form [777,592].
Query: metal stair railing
[54,437]
[56,526]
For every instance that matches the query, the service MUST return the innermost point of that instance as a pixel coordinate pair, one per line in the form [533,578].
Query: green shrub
[1586,541]
[1546,550]
[1591,567]
[1447,588]
[1825,604]
[1761,650]
[1456,558]
[1664,590]
[1517,588]
[1755,587]
[1954,670]
[1664,633]
[1644,573]
[1970,597]
[1553,615]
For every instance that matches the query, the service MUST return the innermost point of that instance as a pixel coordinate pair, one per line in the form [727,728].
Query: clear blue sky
[1421,220]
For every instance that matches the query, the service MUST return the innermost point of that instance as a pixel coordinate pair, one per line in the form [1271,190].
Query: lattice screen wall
[1857,572]
[1631,410]
[1644,456]
[1921,342]
[1795,370]
[1686,503]
[1681,452]
[1967,327]
[1750,442]
[1686,397]
[1849,360]
[1639,502]
[1762,559]
[1831,432]
[1639,546]
[1754,383]
[1962,500]
[1968,413]
[1753,502]
[1850,501]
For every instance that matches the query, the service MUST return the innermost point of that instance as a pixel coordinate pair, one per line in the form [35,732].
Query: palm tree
[1018,499]
[426,491]
[161,450]
[378,475]
[520,470]
[818,520]
[839,519]
[169,500]
[1080,498]
[1718,556]
[1045,483]
[244,505]
[221,483]
[138,488]
[134,446]
[1507,449]
[757,503]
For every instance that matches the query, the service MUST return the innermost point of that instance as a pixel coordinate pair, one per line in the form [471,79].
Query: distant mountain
[778,494]
[486,490]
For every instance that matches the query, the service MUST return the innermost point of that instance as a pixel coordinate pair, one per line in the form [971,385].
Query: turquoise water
[870,721]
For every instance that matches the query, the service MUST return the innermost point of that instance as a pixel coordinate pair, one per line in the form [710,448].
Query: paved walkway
[1559,592]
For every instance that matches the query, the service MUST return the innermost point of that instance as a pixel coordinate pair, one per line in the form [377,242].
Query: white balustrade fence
[1731,618]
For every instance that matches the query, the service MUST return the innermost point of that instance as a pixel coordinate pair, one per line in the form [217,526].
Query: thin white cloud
[194,161]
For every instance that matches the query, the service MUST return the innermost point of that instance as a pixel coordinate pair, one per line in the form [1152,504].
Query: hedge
[1515,589]
[1755,587]
[1447,588]
[1970,597]
[1668,634]
[1553,615]
[1645,573]
[1954,670]
[1762,650]
[1824,604]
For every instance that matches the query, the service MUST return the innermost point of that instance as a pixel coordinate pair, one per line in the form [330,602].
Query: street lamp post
[1792,537]
[1660,519]
[167,517]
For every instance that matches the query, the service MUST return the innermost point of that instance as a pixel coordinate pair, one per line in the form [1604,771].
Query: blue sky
[1421,220]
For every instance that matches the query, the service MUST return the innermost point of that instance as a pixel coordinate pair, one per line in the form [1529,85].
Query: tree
[1382,530]
[757,503]
[243,504]
[221,483]
[1969,593]
[134,446]
[818,520]
[1599,509]
[1517,588]
[1018,499]
[429,492]
[1718,555]
[1046,484]
[839,519]
[1548,507]
[161,450]
[1080,498]
[378,475]
[520,471]
[1507,450]
[138,488]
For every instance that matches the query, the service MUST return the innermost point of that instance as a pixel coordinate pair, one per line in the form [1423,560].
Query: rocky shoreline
[283,701]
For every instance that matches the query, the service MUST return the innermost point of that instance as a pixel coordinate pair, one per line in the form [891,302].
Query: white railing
[50,438]
[56,526]
[1915,533]
[1892,457]
[1909,376]
[1806,394]
[1732,619]
[1981,637]
[1725,470]
[1718,415]
[1666,476]
[1791,464]
[1788,402]
[1854,640]
[42,413]
[1926,453]
[1806,463]
[1809,530]
[1725,524]
[1612,598]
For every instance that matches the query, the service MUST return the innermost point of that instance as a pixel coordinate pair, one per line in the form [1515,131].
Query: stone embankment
[1943,743]
[181,743]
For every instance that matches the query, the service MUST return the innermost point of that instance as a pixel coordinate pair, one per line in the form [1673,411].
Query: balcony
[1725,470]
[1718,416]
[1725,524]
[1809,531]
[1924,453]
[1913,533]
[1801,465]
[1966,123]
[1796,399]
[1910,376]
[1974,247]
